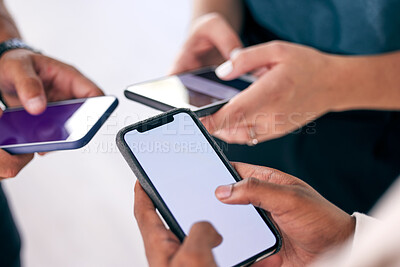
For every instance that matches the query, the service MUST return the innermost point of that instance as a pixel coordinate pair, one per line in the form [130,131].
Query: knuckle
[212,17]
[251,183]
[279,48]
[31,82]
[295,194]
[10,172]
[237,114]
[240,60]
[206,22]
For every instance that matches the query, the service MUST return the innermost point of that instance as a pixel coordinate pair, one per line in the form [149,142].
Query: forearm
[367,82]
[8,28]
[231,10]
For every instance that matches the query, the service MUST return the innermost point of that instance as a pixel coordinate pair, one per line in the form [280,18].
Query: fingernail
[234,52]
[36,105]
[224,191]
[224,69]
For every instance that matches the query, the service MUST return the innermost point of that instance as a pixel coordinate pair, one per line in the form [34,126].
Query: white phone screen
[185,170]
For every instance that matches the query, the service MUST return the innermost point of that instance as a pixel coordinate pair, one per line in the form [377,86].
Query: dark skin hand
[308,223]
[32,80]
[163,248]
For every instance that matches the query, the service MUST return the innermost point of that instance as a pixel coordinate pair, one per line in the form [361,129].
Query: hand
[309,224]
[163,248]
[11,165]
[32,79]
[294,88]
[210,42]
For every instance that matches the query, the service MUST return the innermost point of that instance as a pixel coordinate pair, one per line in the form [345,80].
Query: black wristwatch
[14,44]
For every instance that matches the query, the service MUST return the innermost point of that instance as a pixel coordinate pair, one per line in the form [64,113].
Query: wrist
[338,83]
[363,82]
[12,44]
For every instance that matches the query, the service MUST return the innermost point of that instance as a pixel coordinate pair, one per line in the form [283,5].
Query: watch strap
[12,44]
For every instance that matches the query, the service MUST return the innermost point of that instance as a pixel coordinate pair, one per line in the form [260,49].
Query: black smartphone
[179,166]
[200,90]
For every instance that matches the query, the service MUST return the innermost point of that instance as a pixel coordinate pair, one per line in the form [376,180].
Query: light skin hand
[293,90]
[299,84]
[163,248]
[309,224]
[210,42]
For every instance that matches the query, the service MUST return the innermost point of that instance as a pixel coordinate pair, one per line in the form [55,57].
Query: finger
[160,244]
[66,80]
[248,109]
[11,165]
[272,261]
[197,247]
[266,174]
[251,59]
[238,135]
[83,87]
[202,236]
[210,32]
[217,30]
[145,212]
[28,85]
[268,196]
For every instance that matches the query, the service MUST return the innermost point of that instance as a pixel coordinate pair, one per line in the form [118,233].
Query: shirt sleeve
[364,224]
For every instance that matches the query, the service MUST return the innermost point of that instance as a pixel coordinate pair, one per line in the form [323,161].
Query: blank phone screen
[185,170]
[190,89]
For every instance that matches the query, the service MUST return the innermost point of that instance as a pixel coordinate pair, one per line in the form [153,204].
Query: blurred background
[74,208]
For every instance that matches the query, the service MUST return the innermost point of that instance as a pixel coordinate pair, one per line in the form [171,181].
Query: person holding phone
[29,79]
[309,224]
[330,65]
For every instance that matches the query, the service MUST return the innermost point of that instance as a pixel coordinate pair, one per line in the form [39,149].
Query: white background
[74,208]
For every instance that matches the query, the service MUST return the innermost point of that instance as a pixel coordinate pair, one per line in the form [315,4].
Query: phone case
[157,199]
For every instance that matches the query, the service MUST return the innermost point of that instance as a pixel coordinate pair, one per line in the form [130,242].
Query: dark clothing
[352,157]
[10,242]
[335,26]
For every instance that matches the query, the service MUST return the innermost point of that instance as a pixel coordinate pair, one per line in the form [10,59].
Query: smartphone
[63,125]
[201,91]
[179,166]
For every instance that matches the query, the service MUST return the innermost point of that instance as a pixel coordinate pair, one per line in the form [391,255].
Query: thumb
[202,236]
[251,59]
[29,87]
[197,246]
[267,196]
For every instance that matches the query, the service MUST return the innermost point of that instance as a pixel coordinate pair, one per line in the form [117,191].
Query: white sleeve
[364,224]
